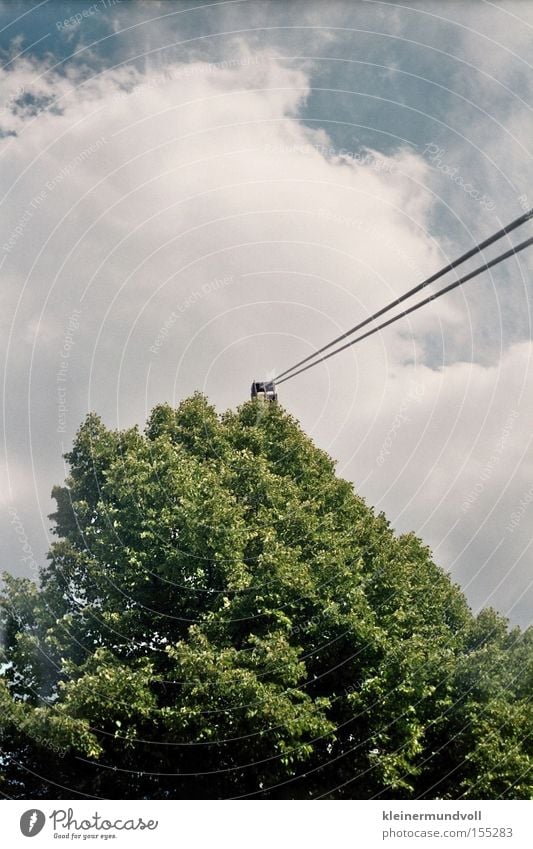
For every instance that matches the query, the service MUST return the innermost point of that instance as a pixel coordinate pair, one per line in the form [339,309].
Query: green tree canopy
[221,616]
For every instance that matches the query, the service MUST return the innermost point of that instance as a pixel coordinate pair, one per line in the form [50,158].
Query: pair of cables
[311,361]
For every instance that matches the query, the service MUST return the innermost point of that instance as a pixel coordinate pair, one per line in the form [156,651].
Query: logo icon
[32,822]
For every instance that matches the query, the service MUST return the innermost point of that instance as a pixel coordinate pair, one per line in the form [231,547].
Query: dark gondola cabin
[264,391]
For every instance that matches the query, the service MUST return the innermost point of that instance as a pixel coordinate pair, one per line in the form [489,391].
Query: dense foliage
[222,616]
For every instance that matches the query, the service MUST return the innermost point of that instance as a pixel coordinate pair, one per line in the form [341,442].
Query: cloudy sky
[195,195]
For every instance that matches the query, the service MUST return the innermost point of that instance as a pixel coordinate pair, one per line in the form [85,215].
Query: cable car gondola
[264,390]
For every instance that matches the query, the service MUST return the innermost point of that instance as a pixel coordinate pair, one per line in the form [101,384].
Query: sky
[198,195]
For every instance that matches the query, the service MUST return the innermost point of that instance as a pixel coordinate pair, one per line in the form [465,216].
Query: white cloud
[449,455]
[136,204]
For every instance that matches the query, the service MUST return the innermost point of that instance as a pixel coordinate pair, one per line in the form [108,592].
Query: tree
[221,616]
